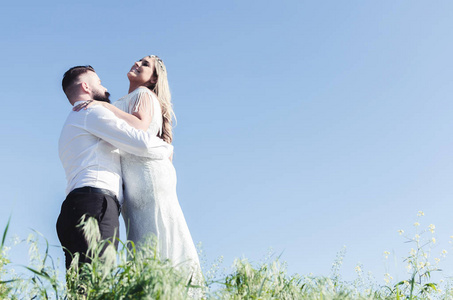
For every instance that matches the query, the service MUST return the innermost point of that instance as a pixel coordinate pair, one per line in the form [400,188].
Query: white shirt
[89,143]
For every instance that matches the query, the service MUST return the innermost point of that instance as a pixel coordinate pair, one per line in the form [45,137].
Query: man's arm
[103,123]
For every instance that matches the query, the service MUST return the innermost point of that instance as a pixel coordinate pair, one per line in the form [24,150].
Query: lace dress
[151,206]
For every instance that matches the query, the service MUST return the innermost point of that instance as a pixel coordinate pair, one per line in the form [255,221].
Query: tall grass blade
[5,232]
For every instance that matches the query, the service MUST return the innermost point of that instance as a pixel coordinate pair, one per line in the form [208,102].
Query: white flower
[16,240]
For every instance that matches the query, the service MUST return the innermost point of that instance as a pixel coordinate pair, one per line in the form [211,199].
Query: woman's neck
[133,87]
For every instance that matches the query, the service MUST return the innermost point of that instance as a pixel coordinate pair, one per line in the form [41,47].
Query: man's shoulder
[96,111]
[92,113]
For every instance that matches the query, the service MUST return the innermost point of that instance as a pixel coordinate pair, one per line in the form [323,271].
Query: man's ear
[85,87]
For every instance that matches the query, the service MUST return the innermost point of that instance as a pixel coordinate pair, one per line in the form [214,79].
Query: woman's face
[142,71]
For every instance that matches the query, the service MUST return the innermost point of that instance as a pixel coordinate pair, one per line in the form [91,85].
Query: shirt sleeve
[103,123]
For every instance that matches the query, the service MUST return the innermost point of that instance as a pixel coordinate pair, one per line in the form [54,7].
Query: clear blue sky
[302,125]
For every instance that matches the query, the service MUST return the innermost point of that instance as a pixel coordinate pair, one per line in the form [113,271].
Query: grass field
[132,273]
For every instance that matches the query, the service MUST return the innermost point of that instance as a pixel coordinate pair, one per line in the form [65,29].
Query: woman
[151,205]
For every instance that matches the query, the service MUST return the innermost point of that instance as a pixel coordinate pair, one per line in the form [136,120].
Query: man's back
[87,159]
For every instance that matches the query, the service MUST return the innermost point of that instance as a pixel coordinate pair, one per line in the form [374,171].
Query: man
[88,149]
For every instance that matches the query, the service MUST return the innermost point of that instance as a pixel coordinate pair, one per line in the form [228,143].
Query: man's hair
[72,74]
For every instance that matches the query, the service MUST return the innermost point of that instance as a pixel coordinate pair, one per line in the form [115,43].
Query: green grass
[132,273]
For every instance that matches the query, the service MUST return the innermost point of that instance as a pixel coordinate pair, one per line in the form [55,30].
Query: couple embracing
[118,158]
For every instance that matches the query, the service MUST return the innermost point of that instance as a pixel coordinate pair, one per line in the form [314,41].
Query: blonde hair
[162,91]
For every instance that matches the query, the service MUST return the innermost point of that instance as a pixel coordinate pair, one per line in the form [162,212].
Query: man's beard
[101,97]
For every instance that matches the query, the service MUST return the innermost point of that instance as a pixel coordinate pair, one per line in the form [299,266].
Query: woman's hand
[87,104]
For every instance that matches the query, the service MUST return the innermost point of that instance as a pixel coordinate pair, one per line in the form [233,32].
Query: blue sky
[302,125]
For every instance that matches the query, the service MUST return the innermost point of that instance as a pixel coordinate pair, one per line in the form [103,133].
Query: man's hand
[86,104]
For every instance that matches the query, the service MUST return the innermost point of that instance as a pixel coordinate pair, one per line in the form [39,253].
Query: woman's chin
[130,75]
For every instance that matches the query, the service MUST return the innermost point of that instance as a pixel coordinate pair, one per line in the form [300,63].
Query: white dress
[151,205]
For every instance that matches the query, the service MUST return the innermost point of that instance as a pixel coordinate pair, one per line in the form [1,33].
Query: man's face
[98,92]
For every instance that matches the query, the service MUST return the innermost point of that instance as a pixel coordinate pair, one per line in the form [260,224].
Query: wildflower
[444,253]
[413,252]
[358,269]
[5,250]
[387,278]
[433,240]
[437,260]
[421,265]
[431,228]
[16,240]
[420,213]
[400,231]
[386,254]
[417,237]
[30,238]
[416,224]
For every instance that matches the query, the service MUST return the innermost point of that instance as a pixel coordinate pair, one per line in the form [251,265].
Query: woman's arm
[140,118]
